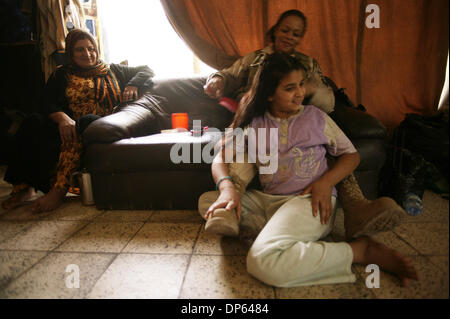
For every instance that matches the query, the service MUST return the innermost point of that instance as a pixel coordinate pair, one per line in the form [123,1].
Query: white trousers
[287,251]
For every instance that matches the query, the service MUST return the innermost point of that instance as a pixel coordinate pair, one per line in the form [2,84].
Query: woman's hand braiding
[214,87]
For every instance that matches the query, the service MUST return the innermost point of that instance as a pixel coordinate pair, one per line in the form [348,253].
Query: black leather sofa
[130,162]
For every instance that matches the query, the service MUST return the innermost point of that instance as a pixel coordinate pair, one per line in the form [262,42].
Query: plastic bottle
[412,204]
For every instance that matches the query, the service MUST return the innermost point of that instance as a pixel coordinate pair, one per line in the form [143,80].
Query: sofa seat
[160,171]
[131,167]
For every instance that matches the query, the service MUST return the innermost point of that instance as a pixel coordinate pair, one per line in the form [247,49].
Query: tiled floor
[167,254]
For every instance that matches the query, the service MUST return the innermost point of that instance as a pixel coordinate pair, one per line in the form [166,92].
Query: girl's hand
[67,130]
[214,87]
[229,198]
[321,191]
[130,93]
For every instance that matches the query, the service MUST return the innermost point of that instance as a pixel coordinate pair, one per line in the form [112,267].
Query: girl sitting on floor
[296,206]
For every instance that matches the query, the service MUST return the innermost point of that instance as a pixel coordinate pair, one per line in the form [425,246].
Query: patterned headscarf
[107,89]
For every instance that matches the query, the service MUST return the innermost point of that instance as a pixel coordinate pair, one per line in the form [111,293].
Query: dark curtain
[396,69]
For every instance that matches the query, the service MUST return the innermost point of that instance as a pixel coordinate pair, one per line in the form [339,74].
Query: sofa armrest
[130,121]
[357,124]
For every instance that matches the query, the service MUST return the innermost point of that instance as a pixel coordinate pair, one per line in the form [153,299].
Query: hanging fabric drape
[331,36]
[53,17]
[392,70]
[217,31]
[403,62]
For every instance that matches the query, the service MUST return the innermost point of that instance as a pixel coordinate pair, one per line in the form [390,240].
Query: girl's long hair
[256,101]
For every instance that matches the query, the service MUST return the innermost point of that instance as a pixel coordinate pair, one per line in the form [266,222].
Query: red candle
[180,120]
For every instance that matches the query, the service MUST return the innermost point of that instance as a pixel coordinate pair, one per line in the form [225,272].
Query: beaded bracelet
[221,180]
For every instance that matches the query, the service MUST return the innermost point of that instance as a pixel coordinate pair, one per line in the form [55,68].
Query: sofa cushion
[185,95]
[357,124]
[131,121]
[159,152]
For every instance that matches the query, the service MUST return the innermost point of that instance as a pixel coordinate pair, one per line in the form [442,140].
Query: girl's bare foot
[18,198]
[368,251]
[50,201]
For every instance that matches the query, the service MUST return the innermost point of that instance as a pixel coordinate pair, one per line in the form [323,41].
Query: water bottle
[84,180]
[412,204]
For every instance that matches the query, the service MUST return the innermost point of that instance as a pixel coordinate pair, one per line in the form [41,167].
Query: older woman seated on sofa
[48,146]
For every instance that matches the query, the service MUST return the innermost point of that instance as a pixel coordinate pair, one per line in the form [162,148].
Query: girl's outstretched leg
[368,251]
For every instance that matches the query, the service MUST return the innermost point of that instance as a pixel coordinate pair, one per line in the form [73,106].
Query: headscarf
[107,89]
